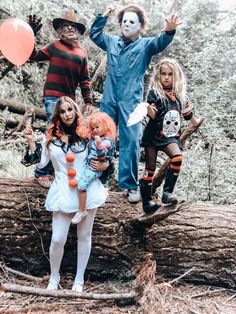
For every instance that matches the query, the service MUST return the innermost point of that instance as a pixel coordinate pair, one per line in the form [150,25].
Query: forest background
[205,47]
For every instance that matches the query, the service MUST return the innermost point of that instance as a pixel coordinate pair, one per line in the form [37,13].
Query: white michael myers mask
[130,24]
[171,123]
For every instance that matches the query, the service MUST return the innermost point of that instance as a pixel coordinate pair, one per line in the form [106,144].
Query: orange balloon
[71,172]
[73,183]
[70,157]
[16,40]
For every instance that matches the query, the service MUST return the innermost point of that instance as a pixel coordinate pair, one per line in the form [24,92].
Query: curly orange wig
[56,128]
[105,121]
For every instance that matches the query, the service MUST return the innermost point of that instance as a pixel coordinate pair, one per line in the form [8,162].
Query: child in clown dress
[167,102]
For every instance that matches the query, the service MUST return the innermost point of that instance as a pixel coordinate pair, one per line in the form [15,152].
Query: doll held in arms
[167,101]
[101,147]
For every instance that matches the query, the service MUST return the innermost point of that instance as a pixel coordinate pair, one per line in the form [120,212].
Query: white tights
[60,228]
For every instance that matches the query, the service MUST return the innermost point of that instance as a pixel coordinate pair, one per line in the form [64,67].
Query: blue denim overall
[123,90]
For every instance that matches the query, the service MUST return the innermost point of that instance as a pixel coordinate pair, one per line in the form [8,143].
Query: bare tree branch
[66,293]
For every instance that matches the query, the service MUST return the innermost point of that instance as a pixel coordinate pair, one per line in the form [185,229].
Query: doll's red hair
[105,121]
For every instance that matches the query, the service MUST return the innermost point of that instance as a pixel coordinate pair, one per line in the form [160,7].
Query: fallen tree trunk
[13,123]
[201,236]
[19,108]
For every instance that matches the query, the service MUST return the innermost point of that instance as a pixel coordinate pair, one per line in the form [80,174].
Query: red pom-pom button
[71,172]
[73,183]
[70,157]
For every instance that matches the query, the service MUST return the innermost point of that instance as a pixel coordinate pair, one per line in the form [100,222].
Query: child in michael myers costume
[128,58]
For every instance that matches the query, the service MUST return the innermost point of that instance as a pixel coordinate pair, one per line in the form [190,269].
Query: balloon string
[22,82]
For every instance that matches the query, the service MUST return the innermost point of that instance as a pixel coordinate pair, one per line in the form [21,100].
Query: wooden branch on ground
[180,277]
[19,274]
[203,294]
[13,141]
[3,143]
[66,293]
[160,172]
[13,123]
[19,108]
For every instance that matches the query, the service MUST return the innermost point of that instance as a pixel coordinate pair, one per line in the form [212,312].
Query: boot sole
[170,203]
[151,211]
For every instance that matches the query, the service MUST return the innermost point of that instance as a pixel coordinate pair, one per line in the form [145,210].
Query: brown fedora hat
[71,17]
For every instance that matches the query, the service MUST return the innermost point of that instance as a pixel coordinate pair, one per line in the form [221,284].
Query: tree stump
[201,236]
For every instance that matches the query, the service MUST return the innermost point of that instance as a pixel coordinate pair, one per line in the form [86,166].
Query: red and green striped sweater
[68,68]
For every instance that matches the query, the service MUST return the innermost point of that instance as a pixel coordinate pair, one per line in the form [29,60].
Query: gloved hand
[35,23]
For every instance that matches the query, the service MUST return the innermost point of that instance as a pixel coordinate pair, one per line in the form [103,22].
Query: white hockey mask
[171,123]
[130,24]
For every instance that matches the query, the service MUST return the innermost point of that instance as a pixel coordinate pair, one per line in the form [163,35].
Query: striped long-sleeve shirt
[68,68]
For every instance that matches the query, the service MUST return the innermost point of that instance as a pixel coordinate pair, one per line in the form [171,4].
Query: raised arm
[35,23]
[161,41]
[29,135]
[37,153]
[100,38]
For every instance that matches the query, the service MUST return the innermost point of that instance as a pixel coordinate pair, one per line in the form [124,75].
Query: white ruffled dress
[61,197]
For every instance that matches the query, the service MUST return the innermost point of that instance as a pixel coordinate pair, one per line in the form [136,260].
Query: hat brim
[56,24]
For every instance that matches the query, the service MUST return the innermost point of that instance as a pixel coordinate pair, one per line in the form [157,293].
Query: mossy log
[201,236]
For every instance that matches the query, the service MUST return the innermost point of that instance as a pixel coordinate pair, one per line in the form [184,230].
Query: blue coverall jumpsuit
[123,90]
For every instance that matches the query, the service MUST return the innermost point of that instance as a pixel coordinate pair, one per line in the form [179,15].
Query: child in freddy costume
[128,58]
[66,137]
[167,101]
[101,147]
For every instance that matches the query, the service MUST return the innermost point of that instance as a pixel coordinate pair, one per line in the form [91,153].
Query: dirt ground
[159,299]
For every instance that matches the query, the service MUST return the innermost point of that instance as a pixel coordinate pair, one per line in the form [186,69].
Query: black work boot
[146,193]
[170,181]
[168,198]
